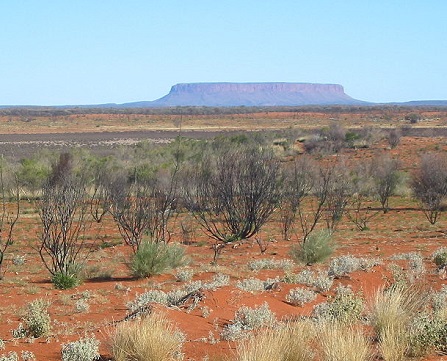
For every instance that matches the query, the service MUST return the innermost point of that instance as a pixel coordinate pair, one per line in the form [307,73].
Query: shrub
[152,338]
[343,265]
[28,356]
[344,308]
[317,248]
[300,296]
[11,356]
[63,281]
[440,257]
[416,266]
[184,275]
[248,319]
[321,281]
[154,258]
[85,349]
[268,263]
[250,285]
[156,296]
[37,318]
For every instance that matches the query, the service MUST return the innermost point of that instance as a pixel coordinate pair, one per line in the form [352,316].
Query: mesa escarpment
[254,94]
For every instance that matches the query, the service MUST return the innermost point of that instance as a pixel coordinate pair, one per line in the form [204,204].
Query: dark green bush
[63,281]
[154,258]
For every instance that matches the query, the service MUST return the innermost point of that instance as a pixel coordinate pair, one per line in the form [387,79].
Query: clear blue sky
[97,51]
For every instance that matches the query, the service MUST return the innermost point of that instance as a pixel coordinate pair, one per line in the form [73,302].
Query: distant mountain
[251,94]
[424,103]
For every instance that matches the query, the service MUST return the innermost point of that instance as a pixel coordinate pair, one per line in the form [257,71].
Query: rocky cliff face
[254,94]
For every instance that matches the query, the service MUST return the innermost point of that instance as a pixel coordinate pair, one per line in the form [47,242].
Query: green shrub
[317,248]
[154,258]
[440,257]
[63,281]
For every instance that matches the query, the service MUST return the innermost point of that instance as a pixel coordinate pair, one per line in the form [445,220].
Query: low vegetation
[297,206]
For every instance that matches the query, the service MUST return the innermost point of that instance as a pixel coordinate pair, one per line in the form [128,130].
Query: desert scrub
[11,356]
[152,338]
[145,298]
[2,344]
[269,263]
[345,307]
[85,349]
[153,258]
[300,296]
[82,306]
[37,319]
[439,257]
[427,333]
[317,248]
[343,265]
[416,267]
[248,319]
[184,275]
[321,281]
[250,285]
[27,356]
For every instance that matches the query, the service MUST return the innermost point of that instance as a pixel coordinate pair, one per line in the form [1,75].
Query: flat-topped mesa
[255,94]
[255,87]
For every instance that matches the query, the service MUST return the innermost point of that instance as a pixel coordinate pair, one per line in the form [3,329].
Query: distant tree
[385,175]
[357,210]
[394,136]
[9,210]
[429,184]
[299,180]
[63,207]
[233,191]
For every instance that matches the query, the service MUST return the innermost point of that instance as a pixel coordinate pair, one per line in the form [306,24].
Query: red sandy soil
[404,229]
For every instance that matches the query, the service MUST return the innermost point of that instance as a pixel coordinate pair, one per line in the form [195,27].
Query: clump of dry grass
[340,342]
[152,338]
[393,343]
[288,343]
[395,307]
[392,313]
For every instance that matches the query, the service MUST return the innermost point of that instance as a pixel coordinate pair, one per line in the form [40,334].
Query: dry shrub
[340,342]
[151,338]
[289,343]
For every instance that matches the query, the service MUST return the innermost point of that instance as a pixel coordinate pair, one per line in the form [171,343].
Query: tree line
[231,186]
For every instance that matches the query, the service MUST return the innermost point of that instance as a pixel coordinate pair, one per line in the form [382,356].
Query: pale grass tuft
[149,339]
[394,343]
[394,308]
[340,342]
[289,343]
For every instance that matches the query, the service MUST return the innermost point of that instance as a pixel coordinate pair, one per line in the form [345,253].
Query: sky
[105,51]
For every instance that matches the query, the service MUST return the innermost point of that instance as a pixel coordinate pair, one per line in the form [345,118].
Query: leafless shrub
[233,193]
[9,192]
[429,185]
[62,208]
[385,173]
[394,136]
